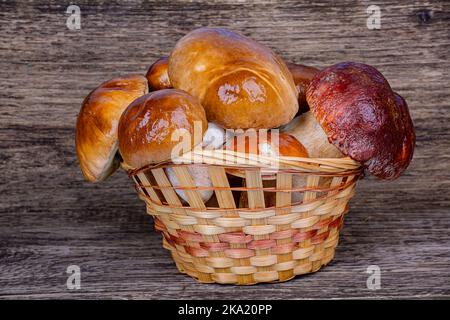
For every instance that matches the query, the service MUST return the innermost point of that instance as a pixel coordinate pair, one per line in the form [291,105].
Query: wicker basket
[259,242]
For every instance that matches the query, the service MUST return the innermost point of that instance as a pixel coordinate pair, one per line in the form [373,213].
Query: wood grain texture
[50,218]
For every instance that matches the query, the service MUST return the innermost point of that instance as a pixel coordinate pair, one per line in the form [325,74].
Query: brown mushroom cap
[96,132]
[241,83]
[302,77]
[253,143]
[147,125]
[363,117]
[157,75]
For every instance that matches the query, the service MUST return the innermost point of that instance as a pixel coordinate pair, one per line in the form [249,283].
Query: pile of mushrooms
[224,80]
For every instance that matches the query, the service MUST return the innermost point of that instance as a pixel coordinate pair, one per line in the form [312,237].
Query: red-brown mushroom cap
[363,117]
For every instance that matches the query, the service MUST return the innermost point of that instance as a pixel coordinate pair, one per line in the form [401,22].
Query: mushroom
[213,139]
[363,117]
[96,133]
[302,77]
[309,132]
[147,125]
[254,143]
[158,76]
[241,83]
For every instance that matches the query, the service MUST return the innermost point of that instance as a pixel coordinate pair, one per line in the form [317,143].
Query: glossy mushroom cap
[157,75]
[153,127]
[241,83]
[269,146]
[96,129]
[302,77]
[363,117]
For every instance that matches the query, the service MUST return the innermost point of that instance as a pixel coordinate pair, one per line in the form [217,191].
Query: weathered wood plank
[50,218]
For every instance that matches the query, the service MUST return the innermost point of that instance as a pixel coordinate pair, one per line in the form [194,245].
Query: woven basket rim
[317,166]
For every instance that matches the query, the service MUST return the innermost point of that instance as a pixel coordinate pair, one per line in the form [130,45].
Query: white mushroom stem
[309,132]
[213,139]
[200,177]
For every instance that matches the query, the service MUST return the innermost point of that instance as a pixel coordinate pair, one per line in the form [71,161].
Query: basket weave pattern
[261,242]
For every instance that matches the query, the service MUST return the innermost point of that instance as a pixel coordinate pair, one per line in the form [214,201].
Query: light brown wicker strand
[142,194]
[338,211]
[195,201]
[334,233]
[319,250]
[172,199]
[225,199]
[193,197]
[284,181]
[169,194]
[307,265]
[256,200]
[150,191]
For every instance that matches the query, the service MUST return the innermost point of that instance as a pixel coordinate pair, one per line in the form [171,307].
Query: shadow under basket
[266,221]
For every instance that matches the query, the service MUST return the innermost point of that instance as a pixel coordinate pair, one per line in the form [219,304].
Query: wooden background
[50,218]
